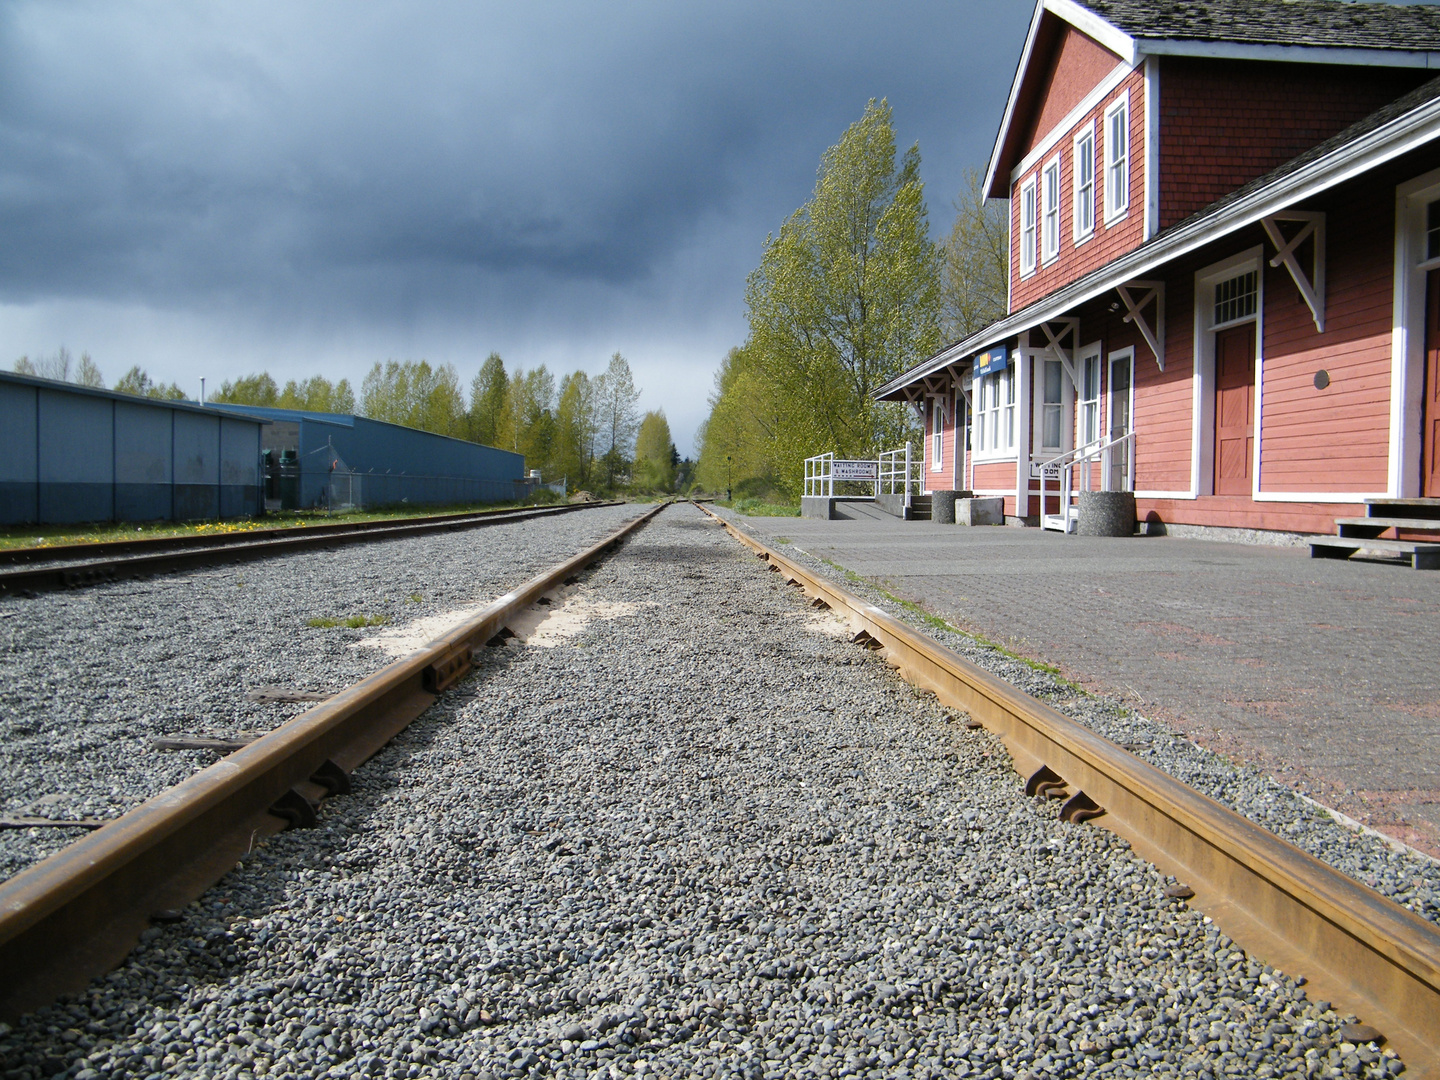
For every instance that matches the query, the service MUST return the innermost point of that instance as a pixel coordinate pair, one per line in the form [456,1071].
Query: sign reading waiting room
[854,470]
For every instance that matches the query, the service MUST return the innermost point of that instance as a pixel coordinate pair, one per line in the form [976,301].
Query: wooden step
[1413,508]
[1421,556]
[1374,526]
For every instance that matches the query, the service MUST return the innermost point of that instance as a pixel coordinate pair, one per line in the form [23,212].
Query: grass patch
[759,508]
[415,598]
[43,536]
[937,623]
[354,622]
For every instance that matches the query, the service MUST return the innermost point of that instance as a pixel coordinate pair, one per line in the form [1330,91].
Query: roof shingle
[1314,23]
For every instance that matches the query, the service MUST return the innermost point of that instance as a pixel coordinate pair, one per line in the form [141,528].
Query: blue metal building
[355,461]
[71,453]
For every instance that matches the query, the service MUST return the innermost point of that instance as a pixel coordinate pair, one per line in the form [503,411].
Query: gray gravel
[1408,877]
[89,678]
[701,838]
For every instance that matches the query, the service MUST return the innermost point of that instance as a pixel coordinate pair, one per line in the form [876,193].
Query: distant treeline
[588,430]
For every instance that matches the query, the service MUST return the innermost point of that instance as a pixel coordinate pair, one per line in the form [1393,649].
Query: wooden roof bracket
[1311,286]
[1068,325]
[1154,334]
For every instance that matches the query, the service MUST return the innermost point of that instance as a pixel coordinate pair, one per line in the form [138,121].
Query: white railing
[1063,468]
[820,476]
[900,474]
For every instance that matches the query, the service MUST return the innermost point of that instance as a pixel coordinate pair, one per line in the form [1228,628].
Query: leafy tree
[87,373]
[573,448]
[488,393]
[416,395]
[137,382]
[845,297]
[249,390]
[528,422]
[57,367]
[975,278]
[739,437]
[617,418]
[318,394]
[655,456]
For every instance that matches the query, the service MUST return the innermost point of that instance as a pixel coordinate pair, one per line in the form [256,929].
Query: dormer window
[1027,227]
[1117,158]
[1083,172]
[1050,223]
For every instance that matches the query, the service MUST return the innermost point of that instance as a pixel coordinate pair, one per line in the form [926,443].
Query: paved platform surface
[1326,673]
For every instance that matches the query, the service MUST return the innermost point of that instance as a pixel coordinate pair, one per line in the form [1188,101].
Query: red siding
[1225,122]
[995,476]
[943,479]
[1336,439]
[1107,243]
[1079,65]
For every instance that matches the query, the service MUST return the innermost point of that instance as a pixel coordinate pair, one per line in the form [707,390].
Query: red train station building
[1224,269]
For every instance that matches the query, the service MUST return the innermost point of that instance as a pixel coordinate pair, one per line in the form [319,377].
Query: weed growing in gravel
[416,598]
[354,622]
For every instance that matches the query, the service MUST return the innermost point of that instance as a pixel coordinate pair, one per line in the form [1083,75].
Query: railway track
[79,565]
[820,987]
[1282,904]
[79,912]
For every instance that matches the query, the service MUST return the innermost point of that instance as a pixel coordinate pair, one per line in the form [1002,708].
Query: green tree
[975,278]
[249,390]
[616,417]
[87,373]
[655,456]
[573,449]
[415,395]
[739,438]
[845,297]
[137,382]
[318,394]
[488,393]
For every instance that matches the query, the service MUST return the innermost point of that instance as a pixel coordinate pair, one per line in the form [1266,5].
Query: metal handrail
[893,475]
[1064,464]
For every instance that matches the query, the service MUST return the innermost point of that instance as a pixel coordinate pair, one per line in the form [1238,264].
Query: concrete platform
[1327,674]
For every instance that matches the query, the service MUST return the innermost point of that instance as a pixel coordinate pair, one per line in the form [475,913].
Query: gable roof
[1410,121]
[1306,31]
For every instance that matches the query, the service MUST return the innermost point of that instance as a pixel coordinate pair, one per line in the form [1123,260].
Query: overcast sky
[214,189]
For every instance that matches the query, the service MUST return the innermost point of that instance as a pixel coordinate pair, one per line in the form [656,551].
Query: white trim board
[1407,334]
[1067,123]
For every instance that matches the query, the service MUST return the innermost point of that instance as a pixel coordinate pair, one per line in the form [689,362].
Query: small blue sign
[992,360]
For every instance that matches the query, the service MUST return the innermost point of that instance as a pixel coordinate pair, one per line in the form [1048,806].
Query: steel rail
[1356,948]
[78,913]
[148,544]
[187,553]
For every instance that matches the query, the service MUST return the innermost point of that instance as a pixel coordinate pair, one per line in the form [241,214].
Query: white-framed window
[995,414]
[1089,412]
[1027,227]
[1051,436]
[1050,199]
[1082,171]
[937,433]
[1117,158]
[1236,299]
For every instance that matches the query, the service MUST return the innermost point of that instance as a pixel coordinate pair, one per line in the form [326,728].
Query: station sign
[992,360]
[841,469]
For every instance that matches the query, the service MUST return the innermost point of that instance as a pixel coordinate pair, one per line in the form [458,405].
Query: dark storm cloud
[370,158]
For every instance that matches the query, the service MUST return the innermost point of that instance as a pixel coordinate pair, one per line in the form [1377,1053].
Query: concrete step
[1413,508]
[1374,526]
[1421,556]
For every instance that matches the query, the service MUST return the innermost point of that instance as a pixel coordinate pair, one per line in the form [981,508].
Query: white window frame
[1083,153]
[937,434]
[1065,407]
[1029,228]
[1117,153]
[994,412]
[1050,211]
[1088,427]
[1121,356]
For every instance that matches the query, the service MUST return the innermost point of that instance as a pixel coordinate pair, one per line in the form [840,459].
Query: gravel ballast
[1409,877]
[88,679]
[704,835]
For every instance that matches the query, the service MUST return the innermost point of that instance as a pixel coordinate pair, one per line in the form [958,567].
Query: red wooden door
[1430,431]
[1234,409]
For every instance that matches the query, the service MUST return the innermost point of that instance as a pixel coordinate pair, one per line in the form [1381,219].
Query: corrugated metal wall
[388,463]
[69,454]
